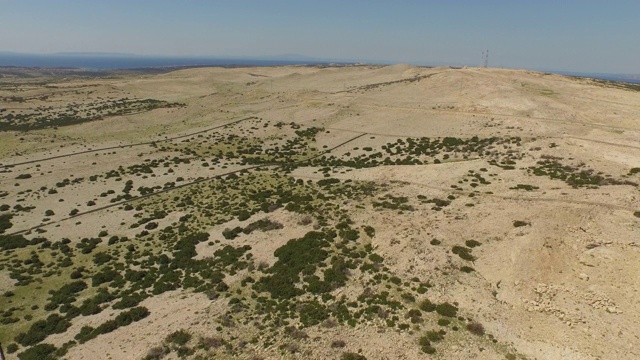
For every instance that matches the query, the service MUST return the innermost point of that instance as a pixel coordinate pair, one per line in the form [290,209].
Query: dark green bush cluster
[128,301]
[309,133]
[574,176]
[9,242]
[101,258]
[438,204]
[472,243]
[5,222]
[352,356]
[262,225]
[520,223]
[39,330]
[524,187]
[106,275]
[229,255]
[293,258]
[185,248]
[86,245]
[427,305]
[425,345]
[394,203]
[475,328]
[40,352]
[180,337]
[370,231]
[329,181]
[463,252]
[123,319]
[156,215]
[69,115]
[467,269]
[231,234]
[65,295]
[312,313]
[446,309]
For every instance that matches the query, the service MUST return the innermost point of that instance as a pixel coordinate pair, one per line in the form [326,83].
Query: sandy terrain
[563,286]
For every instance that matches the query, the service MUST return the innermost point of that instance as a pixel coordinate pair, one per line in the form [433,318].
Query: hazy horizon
[580,36]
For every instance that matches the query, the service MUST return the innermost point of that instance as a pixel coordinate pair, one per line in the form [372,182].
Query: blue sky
[569,35]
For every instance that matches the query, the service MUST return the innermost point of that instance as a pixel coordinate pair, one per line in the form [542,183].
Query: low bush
[54,324]
[39,352]
[475,328]
[180,337]
[338,344]
[427,305]
[352,356]
[446,309]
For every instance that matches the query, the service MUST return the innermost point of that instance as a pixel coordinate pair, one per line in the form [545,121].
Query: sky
[561,35]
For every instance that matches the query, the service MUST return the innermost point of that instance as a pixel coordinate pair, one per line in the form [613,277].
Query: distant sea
[611,77]
[117,62]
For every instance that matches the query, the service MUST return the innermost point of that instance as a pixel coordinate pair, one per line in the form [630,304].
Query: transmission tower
[485,58]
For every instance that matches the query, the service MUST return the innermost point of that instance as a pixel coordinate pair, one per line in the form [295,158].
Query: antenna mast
[486,59]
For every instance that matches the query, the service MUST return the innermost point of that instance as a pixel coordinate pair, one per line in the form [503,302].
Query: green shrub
[376,258]
[428,349]
[352,356]
[467,269]
[127,302]
[472,243]
[524,187]
[446,309]
[54,324]
[89,307]
[338,344]
[293,257]
[180,337]
[434,336]
[475,328]
[101,258]
[157,353]
[39,352]
[427,305]
[231,234]
[370,231]
[262,225]
[244,215]
[11,348]
[9,242]
[5,222]
[463,252]
[123,319]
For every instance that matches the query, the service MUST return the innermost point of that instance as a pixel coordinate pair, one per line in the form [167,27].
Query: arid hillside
[355,212]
